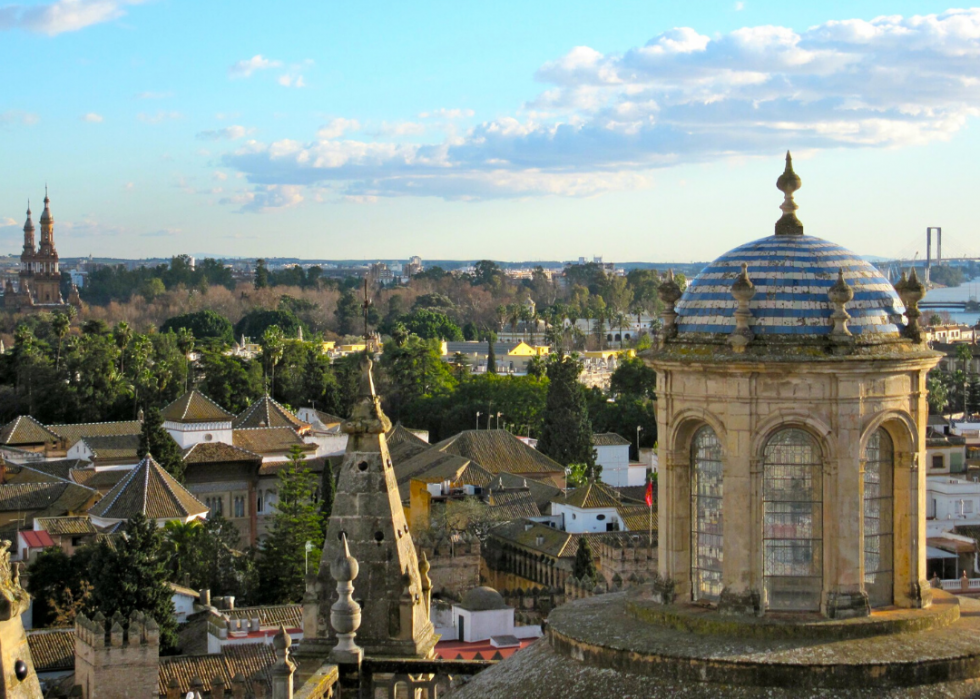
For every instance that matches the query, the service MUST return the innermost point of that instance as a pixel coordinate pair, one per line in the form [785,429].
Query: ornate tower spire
[47,228]
[28,235]
[368,524]
[788,183]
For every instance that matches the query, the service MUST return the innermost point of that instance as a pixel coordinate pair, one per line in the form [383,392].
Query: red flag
[649,495]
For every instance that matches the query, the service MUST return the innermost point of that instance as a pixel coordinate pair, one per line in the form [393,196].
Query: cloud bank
[54,18]
[604,120]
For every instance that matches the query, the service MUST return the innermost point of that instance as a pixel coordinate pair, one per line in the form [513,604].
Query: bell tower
[47,273]
[27,256]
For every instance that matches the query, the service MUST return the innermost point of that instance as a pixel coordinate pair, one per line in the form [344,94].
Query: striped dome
[792,275]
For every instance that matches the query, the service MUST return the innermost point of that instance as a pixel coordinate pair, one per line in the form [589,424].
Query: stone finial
[367,416]
[743,290]
[218,687]
[911,291]
[345,614]
[788,183]
[173,688]
[424,568]
[238,686]
[670,293]
[840,295]
[284,668]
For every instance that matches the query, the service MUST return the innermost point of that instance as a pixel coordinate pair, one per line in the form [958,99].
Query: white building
[589,509]
[949,498]
[484,616]
[195,418]
[613,454]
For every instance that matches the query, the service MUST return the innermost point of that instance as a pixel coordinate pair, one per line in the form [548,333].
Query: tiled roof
[55,499]
[327,419]
[560,544]
[637,517]
[609,439]
[636,493]
[403,444]
[217,453]
[52,650]
[265,440]
[26,430]
[252,660]
[72,433]
[513,504]
[186,591]
[592,494]
[313,465]
[150,490]
[36,540]
[447,467]
[112,447]
[289,615]
[59,467]
[194,406]
[17,473]
[266,412]
[71,526]
[542,493]
[103,481]
[499,451]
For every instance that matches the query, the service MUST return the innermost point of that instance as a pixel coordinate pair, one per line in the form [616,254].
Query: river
[964,292]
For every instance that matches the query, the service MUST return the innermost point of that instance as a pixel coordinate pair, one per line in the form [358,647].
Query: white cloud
[129,186]
[245,68]
[159,117]
[220,176]
[739,6]
[54,18]
[337,128]
[6,221]
[266,198]
[17,116]
[604,120]
[400,128]
[288,80]
[150,95]
[447,114]
[229,133]
[92,118]
[162,233]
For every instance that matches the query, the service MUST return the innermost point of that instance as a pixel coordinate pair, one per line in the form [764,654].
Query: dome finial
[788,183]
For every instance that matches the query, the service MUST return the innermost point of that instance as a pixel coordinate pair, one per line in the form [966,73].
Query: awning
[932,552]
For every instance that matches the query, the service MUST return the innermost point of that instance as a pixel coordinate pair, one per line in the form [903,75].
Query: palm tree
[61,326]
[513,315]
[273,344]
[122,335]
[185,343]
[965,354]
[622,320]
[180,543]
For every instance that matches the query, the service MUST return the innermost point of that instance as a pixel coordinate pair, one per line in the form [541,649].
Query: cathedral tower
[47,274]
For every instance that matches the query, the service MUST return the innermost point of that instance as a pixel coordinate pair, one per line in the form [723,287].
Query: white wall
[952,498]
[188,434]
[578,521]
[183,606]
[80,450]
[328,444]
[480,626]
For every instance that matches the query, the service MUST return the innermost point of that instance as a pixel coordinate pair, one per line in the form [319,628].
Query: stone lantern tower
[792,415]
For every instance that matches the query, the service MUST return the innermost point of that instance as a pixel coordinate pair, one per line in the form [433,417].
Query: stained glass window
[706,515]
[878,514]
[793,521]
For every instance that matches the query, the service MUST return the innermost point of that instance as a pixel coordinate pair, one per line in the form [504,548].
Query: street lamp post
[638,430]
[478,414]
[308,547]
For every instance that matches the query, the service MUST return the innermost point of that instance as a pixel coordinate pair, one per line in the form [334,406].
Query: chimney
[205,598]
[238,686]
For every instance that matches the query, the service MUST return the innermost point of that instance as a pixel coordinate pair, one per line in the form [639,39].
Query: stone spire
[47,228]
[368,523]
[28,236]
[788,183]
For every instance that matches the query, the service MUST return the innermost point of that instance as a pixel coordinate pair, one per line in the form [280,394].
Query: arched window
[879,467]
[792,496]
[706,515]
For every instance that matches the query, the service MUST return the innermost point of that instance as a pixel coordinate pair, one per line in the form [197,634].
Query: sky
[638,131]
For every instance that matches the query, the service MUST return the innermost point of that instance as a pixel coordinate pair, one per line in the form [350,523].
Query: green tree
[432,325]
[347,313]
[282,561]
[155,440]
[185,343]
[633,377]
[205,325]
[133,577]
[411,372]
[566,435]
[491,354]
[584,566]
[61,326]
[261,280]
[59,582]
[273,346]
[232,382]
[254,323]
[206,555]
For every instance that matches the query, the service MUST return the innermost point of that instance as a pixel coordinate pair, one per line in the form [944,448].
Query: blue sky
[533,130]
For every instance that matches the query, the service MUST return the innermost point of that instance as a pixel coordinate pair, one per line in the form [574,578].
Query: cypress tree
[328,491]
[567,432]
[133,577]
[584,566]
[491,355]
[155,440]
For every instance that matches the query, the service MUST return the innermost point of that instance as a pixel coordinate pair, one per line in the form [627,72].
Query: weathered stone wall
[454,568]
[125,664]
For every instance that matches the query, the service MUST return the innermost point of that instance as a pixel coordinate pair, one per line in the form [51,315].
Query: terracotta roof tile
[637,517]
[150,490]
[54,499]
[266,412]
[113,447]
[103,481]
[513,504]
[253,660]
[266,440]
[71,526]
[609,439]
[194,406]
[403,444]
[498,451]
[314,465]
[217,452]
[592,494]
[36,540]
[72,433]
[26,430]
[60,468]
[52,650]
[289,615]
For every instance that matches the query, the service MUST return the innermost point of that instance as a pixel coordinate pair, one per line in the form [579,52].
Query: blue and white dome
[792,275]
